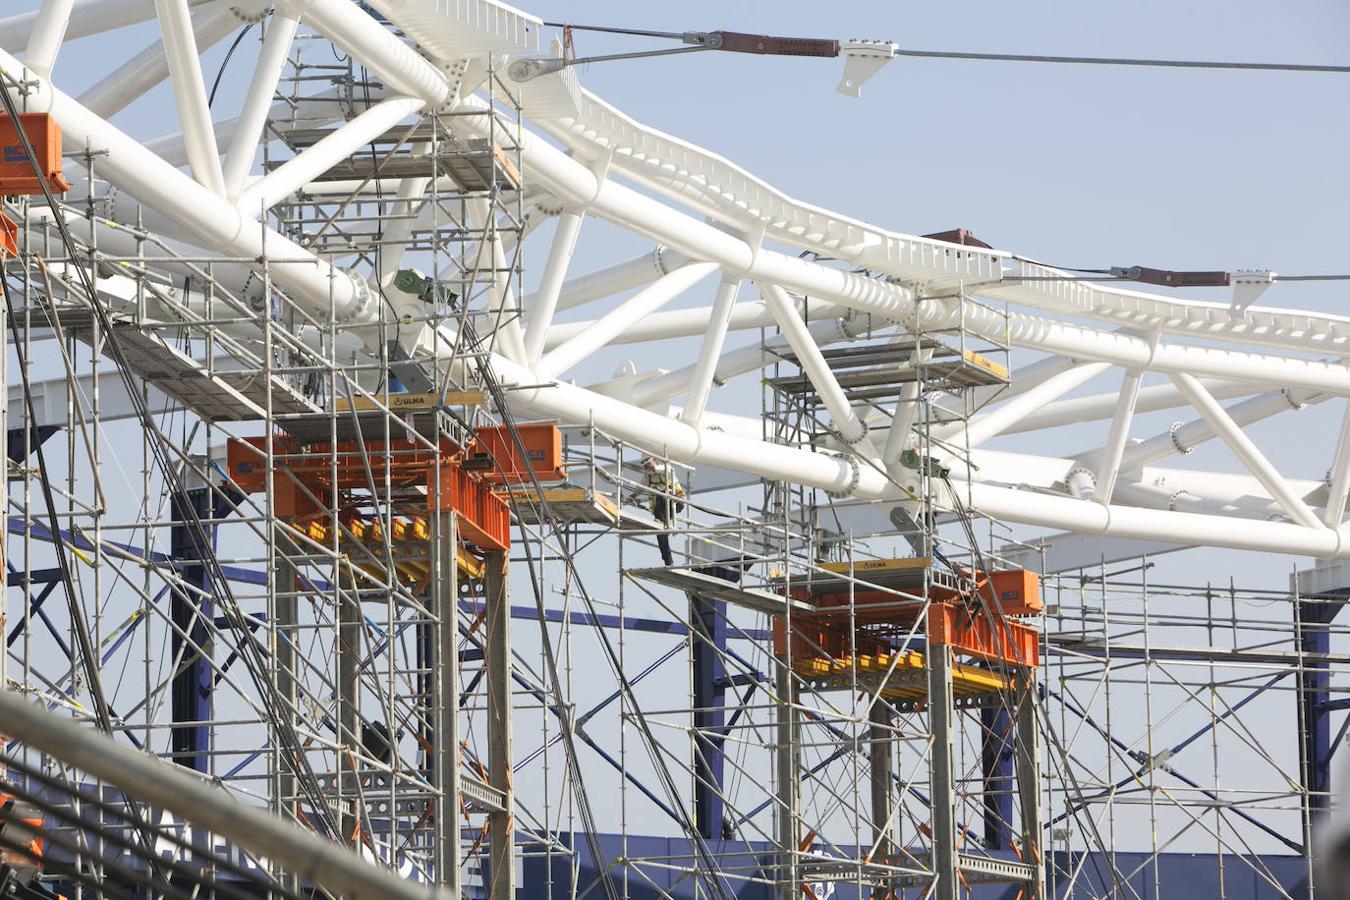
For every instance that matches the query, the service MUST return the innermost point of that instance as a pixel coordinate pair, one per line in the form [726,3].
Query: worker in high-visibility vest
[667,500]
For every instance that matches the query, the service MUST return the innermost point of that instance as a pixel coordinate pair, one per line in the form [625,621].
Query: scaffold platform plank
[217,394]
[572,505]
[692,581]
[872,372]
[408,414]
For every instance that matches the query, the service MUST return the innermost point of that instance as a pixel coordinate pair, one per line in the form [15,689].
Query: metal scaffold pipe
[146,778]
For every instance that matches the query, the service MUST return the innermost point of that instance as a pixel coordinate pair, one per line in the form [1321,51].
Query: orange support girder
[971,632]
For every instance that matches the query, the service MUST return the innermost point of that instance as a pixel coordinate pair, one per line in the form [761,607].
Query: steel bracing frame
[388,213]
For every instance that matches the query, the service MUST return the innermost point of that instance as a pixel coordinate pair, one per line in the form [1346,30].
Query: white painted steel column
[613,323]
[1245,450]
[700,382]
[248,132]
[1339,482]
[539,309]
[299,171]
[1188,436]
[48,33]
[983,427]
[897,439]
[501,296]
[1109,468]
[851,428]
[138,75]
[185,71]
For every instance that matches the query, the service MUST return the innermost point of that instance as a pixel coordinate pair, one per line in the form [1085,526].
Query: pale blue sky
[1074,165]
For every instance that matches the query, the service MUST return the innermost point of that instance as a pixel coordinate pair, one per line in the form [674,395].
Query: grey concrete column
[788,783]
[1027,752]
[942,783]
[501,825]
[445,700]
[881,768]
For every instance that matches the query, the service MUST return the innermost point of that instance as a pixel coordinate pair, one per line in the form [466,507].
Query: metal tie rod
[327,865]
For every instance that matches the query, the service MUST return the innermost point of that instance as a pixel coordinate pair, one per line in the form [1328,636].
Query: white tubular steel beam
[1241,445]
[657,433]
[1069,514]
[1187,437]
[614,323]
[700,383]
[90,17]
[618,278]
[411,193]
[664,388]
[1103,406]
[1109,467]
[189,91]
[1024,379]
[1339,483]
[501,297]
[902,420]
[851,428]
[267,73]
[696,320]
[211,222]
[138,75]
[48,32]
[150,780]
[572,182]
[373,45]
[541,305]
[299,171]
[983,427]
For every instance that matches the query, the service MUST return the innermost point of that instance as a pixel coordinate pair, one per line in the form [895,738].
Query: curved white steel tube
[214,223]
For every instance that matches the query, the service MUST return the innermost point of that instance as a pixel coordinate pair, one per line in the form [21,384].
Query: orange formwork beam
[974,632]
[498,461]
[484,517]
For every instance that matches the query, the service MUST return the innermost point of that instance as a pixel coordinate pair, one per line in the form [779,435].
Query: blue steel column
[709,649]
[194,680]
[997,768]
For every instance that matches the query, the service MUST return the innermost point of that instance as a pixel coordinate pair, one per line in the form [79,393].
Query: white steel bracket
[1248,285]
[862,60]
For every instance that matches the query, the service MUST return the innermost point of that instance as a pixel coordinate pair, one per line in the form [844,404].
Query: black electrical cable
[220,73]
[663,773]
[1122,61]
[250,649]
[1027,57]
